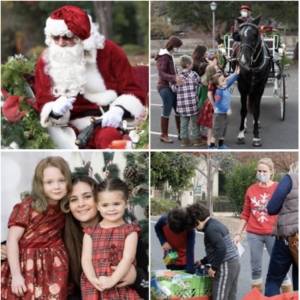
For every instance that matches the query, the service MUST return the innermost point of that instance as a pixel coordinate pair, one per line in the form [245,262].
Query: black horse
[254,58]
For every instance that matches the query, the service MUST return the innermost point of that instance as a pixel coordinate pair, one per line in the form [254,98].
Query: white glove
[62,105]
[113,117]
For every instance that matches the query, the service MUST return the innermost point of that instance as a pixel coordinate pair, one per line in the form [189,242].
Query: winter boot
[164,122]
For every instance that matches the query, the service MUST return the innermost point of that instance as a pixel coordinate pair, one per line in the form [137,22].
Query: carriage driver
[245,15]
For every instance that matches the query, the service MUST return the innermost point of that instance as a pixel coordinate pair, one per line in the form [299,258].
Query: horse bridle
[259,43]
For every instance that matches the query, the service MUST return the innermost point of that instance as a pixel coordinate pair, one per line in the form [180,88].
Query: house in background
[199,188]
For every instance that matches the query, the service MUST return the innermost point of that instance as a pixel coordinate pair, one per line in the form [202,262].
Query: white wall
[17,170]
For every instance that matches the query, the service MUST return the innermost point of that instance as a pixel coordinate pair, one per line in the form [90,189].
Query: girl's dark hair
[173,42]
[115,184]
[199,61]
[177,220]
[199,53]
[73,234]
[196,212]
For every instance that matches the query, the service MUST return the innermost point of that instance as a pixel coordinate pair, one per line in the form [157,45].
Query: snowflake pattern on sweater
[261,206]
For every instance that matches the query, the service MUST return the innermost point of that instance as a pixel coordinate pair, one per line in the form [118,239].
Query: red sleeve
[115,68]
[89,230]
[20,215]
[43,84]
[134,229]
[211,88]
[247,208]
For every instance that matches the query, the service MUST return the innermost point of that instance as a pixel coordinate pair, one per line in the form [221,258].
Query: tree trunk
[103,12]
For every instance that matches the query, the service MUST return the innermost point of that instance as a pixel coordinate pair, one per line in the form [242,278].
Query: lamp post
[213,7]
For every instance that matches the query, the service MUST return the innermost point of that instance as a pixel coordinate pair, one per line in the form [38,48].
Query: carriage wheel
[282,97]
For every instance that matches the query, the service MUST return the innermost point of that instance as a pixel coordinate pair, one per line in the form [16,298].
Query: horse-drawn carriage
[260,55]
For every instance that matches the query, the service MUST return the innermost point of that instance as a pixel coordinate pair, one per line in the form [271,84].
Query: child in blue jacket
[222,108]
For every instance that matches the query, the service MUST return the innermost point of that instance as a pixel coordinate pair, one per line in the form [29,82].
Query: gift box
[170,257]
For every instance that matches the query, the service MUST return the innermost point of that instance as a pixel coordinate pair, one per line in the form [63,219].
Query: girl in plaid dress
[112,242]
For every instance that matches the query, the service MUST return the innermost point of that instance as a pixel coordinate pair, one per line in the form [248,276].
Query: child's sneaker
[223,147]
[212,148]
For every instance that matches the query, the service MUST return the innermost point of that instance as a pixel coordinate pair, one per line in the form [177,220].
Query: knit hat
[69,19]
[245,7]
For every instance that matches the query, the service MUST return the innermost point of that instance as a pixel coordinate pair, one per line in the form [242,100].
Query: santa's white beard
[66,67]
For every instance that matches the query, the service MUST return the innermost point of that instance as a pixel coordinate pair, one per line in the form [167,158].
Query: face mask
[244,14]
[224,86]
[175,50]
[263,178]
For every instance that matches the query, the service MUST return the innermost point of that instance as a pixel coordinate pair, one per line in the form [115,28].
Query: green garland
[143,130]
[27,132]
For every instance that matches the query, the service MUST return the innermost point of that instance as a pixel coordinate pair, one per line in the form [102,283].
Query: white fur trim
[47,121]
[81,123]
[132,104]
[94,42]
[56,27]
[64,137]
[95,89]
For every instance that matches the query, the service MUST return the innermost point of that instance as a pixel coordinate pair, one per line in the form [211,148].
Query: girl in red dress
[207,111]
[37,265]
[112,242]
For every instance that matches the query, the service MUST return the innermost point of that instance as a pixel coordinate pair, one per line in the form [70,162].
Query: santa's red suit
[110,82]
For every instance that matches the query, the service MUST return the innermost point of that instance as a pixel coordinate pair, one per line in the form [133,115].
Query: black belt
[91,112]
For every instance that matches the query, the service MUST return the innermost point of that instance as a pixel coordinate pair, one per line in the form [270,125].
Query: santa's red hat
[245,7]
[69,19]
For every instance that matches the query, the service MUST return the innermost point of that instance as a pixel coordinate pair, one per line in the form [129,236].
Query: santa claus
[81,75]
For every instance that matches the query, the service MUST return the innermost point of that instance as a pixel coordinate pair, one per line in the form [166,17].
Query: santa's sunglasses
[64,37]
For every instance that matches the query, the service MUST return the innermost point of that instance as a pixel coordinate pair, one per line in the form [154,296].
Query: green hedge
[161,207]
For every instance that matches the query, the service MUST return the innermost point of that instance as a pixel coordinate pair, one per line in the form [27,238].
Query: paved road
[274,133]
[157,262]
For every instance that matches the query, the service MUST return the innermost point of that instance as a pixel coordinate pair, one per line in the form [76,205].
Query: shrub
[161,207]
[238,181]
[131,50]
